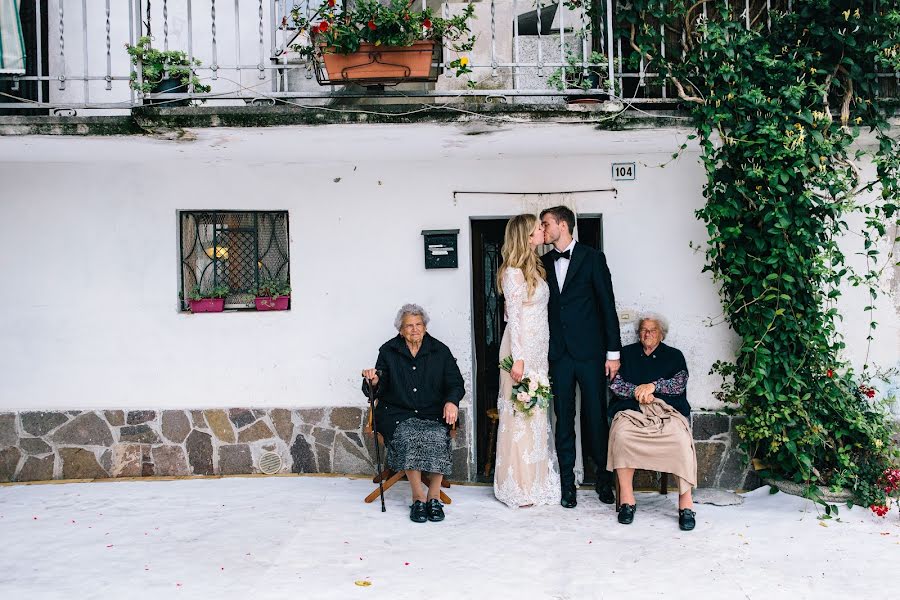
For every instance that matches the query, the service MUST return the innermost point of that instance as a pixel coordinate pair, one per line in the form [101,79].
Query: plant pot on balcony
[207,305]
[373,64]
[594,82]
[269,303]
[169,86]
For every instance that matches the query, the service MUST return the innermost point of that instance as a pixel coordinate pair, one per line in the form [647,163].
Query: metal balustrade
[76,58]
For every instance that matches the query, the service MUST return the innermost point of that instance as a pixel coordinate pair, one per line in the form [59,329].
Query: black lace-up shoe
[626,514]
[686,519]
[605,493]
[569,499]
[417,512]
[435,510]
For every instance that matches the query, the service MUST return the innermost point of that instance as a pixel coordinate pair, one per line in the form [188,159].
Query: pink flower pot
[267,303]
[207,305]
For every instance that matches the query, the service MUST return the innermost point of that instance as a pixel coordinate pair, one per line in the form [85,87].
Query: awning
[12,43]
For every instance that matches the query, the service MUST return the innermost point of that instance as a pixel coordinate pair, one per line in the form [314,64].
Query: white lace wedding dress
[526,471]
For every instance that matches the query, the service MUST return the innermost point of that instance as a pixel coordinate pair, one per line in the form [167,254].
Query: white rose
[533,385]
[522,396]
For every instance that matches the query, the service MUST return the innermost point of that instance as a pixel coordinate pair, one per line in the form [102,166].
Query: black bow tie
[556,254]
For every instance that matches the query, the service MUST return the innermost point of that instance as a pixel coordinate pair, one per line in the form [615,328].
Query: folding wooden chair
[388,477]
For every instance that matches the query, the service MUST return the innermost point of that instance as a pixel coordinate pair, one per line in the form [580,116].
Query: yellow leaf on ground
[363,582]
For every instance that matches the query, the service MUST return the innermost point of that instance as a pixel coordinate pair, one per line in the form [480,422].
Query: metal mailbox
[440,248]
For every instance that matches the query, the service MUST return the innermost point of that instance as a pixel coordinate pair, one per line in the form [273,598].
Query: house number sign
[623,171]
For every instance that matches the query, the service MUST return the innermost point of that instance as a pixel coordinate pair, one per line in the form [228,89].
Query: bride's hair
[517,253]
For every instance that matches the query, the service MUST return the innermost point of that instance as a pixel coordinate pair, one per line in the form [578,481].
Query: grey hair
[410,310]
[652,316]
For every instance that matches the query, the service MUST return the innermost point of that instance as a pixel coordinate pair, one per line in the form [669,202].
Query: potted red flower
[273,295]
[212,300]
[380,43]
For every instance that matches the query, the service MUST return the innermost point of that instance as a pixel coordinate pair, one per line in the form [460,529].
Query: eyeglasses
[643,331]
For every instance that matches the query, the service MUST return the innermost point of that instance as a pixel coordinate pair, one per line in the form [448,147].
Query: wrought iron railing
[237,249]
[76,58]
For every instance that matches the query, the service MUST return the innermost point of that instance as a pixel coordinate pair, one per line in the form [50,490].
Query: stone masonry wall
[38,446]
[720,461]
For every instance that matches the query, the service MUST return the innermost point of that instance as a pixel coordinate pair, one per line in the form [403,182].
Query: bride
[526,470]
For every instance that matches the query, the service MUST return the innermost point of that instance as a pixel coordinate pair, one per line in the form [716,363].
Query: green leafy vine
[778,106]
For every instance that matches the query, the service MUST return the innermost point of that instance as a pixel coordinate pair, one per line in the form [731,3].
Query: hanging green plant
[160,66]
[778,97]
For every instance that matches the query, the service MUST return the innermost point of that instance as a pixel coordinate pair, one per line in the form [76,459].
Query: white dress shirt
[561,266]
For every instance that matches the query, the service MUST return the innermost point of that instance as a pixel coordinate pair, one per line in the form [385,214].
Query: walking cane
[380,476]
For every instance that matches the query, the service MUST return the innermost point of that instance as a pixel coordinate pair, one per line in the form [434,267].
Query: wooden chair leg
[391,478]
[387,485]
[444,484]
[663,483]
[383,476]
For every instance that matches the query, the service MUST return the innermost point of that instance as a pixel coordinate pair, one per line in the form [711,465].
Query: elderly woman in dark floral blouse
[651,419]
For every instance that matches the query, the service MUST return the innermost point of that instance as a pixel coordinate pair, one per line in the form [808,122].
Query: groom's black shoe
[418,512]
[626,514]
[569,498]
[605,492]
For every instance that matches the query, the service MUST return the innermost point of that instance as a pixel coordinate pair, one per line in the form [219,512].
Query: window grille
[238,249]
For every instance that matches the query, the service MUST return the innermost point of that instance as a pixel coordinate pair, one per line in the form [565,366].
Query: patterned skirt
[420,445]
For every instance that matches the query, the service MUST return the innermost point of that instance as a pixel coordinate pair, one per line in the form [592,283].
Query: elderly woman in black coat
[418,386]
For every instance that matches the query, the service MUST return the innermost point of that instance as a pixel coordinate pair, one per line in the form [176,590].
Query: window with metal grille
[238,249]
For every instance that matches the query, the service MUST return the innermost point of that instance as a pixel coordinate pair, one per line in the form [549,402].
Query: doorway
[488,311]
[31,15]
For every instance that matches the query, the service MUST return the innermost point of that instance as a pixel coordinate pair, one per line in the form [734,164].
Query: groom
[584,346]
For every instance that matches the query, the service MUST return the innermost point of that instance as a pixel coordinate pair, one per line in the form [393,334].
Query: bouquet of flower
[533,391]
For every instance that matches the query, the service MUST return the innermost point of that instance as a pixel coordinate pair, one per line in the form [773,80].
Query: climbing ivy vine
[779,96]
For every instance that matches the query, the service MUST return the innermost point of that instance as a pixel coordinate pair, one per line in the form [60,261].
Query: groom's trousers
[590,377]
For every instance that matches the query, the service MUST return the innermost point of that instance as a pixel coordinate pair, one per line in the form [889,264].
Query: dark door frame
[484,386]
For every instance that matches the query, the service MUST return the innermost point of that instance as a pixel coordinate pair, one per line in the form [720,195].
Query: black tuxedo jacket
[583,319]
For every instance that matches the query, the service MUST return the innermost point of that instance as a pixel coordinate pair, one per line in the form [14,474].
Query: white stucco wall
[89,254]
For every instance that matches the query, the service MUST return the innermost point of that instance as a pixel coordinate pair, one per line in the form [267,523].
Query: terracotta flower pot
[268,303]
[207,305]
[379,63]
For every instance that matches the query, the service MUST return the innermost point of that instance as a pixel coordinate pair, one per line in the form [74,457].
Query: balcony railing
[76,58]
